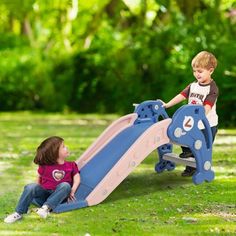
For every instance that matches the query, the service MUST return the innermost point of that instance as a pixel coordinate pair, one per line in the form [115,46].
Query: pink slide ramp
[151,139]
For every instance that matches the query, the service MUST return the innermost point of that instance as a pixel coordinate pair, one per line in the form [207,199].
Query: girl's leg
[30,191]
[61,193]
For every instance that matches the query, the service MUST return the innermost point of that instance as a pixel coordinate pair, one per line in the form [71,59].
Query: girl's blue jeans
[51,198]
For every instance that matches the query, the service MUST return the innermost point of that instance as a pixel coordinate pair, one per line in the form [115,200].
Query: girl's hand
[72,197]
[76,182]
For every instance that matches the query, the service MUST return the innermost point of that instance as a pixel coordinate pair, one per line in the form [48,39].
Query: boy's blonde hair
[205,60]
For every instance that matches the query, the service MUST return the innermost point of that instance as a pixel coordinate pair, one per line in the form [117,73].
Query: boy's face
[202,75]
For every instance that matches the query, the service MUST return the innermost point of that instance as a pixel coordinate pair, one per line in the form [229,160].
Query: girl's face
[63,151]
[202,75]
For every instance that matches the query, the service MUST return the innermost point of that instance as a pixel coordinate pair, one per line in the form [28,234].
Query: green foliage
[102,56]
[25,81]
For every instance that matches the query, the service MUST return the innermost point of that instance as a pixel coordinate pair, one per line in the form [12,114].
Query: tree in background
[102,56]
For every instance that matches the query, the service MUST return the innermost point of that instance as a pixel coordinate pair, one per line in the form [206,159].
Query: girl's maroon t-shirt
[52,175]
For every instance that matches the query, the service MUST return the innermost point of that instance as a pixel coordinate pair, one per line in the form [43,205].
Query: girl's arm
[76,182]
[38,181]
[177,99]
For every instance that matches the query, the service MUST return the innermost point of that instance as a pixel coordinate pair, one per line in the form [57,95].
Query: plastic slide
[130,139]
[116,152]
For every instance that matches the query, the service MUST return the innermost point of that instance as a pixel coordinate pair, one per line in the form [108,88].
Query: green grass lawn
[145,203]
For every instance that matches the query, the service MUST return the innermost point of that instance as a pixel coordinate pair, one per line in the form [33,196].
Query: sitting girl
[58,180]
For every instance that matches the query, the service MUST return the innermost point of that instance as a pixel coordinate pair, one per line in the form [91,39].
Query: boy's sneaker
[188,172]
[185,155]
[43,211]
[12,218]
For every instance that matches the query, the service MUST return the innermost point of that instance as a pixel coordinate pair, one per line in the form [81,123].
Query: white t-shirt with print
[200,94]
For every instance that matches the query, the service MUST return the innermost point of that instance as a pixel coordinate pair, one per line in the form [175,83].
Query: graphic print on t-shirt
[58,174]
[203,94]
[195,98]
[188,123]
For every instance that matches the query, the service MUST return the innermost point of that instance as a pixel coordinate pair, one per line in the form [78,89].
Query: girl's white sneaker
[43,211]
[12,218]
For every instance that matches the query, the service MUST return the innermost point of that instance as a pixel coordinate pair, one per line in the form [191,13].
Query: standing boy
[204,92]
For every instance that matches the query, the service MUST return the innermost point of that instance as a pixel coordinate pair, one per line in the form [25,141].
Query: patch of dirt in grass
[225,215]
[227,212]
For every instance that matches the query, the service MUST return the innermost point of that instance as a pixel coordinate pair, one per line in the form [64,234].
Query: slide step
[176,159]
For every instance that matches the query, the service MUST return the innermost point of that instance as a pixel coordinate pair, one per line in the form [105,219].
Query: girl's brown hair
[48,151]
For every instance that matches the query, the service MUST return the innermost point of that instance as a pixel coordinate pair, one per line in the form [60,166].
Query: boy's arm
[207,108]
[177,99]
[211,98]
[76,182]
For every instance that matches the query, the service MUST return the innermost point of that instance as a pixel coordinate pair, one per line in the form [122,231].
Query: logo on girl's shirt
[58,174]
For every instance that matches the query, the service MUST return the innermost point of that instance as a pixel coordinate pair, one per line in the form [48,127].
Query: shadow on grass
[143,184]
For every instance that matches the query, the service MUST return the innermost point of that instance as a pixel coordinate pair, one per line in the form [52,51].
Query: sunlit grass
[146,203]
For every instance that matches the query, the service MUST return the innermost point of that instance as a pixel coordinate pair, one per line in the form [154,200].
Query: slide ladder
[184,131]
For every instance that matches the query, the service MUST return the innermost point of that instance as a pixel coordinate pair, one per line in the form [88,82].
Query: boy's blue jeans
[213,131]
[51,198]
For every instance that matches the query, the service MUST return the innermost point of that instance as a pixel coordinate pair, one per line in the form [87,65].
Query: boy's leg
[214,130]
[30,192]
[189,171]
[186,152]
